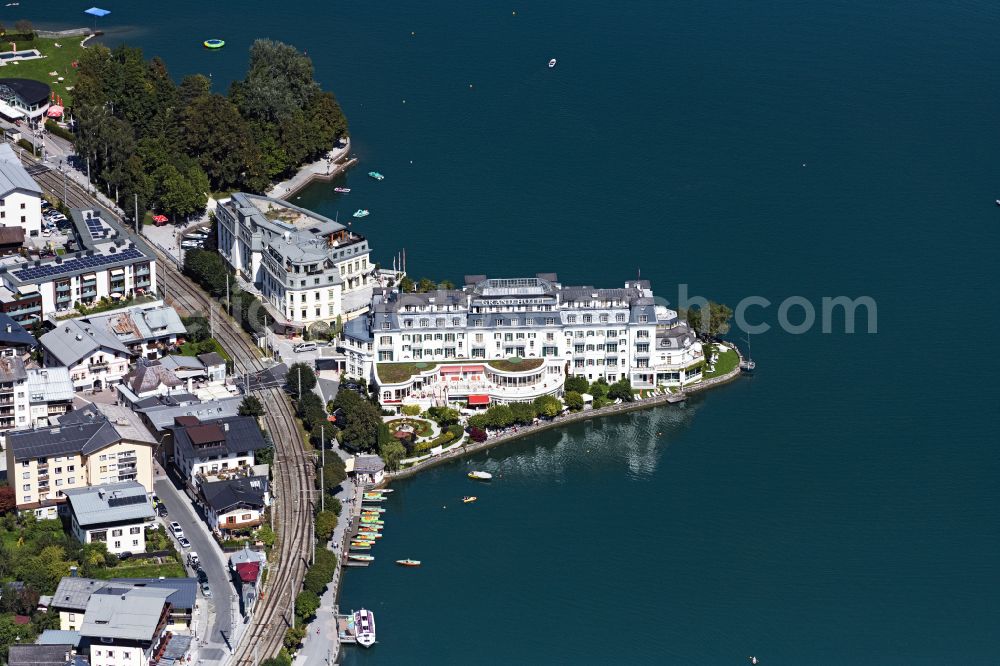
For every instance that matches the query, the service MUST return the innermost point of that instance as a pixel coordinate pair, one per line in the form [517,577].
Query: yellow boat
[469,499]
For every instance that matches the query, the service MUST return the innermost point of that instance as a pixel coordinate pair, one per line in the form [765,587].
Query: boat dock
[345,629]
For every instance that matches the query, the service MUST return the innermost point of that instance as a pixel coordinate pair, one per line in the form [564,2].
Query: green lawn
[204,347]
[393,373]
[142,569]
[515,364]
[421,427]
[57,59]
[727,363]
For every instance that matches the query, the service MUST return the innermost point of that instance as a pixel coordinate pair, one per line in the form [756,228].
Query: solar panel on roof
[78,264]
[126,501]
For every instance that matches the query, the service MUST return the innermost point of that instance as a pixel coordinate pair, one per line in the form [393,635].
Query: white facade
[22,209]
[303,264]
[552,330]
[119,539]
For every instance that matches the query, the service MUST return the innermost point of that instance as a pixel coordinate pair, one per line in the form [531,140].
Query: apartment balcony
[64,287]
[26,310]
[142,271]
[127,460]
[88,293]
[65,298]
[43,478]
[97,367]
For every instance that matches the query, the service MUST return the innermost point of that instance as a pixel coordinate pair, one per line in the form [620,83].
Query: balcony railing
[94,367]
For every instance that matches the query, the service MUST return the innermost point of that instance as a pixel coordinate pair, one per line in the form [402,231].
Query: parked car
[202,576]
[176,528]
[185,544]
[161,510]
[304,347]
[206,590]
[191,245]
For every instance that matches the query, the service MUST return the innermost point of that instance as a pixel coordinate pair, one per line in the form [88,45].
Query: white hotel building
[308,268]
[510,340]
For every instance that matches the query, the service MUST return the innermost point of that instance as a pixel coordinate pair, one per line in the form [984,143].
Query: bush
[547,406]
[477,434]
[452,433]
[266,535]
[27,145]
[621,390]
[577,383]
[523,412]
[294,637]
[573,400]
[411,410]
[55,128]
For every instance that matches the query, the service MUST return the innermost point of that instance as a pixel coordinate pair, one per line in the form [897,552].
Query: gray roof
[12,334]
[148,375]
[49,384]
[13,175]
[149,321]
[237,434]
[109,503]
[161,414]
[39,655]
[211,358]
[244,490]
[12,369]
[73,592]
[81,431]
[74,340]
[247,555]
[368,464]
[132,615]
[178,362]
[59,637]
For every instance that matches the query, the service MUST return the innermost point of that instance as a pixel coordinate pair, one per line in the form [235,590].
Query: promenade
[327,167]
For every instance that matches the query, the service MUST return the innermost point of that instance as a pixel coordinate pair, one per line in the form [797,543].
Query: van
[304,347]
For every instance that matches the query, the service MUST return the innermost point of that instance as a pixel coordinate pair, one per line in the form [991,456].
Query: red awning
[479,400]
[450,369]
[472,368]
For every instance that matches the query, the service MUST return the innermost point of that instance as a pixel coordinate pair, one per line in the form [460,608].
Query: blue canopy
[97,11]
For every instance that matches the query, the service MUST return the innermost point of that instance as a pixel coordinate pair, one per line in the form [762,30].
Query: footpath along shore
[327,167]
[558,422]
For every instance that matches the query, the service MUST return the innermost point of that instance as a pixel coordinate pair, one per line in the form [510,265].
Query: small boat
[480,476]
[552,63]
[364,628]
[469,499]
[373,509]
[355,546]
[342,190]
[376,175]
[747,365]
[213,43]
[367,536]
[408,563]
[361,212]
[361,557]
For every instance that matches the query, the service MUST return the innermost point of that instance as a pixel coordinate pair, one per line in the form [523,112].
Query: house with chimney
[128,627]
[115,514]
[74,592]
[237,502]
[219,449]
[95,358]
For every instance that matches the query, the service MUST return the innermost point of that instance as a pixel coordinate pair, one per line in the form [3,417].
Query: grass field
[57,59]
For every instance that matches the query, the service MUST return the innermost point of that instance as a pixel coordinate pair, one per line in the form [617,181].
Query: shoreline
[557,422]
[326,168]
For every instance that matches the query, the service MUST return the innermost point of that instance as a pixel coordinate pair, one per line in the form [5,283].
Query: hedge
[450,434]
[55,128]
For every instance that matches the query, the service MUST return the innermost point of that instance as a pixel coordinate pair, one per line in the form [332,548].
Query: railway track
[293,468]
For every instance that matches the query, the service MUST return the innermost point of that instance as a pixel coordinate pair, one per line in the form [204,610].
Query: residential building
[161,413]
[95,358]
[24,98]
[184,367]
[147,330]
[115,514]
[204,450]
[15,340]
[308,268]
[236,503]
[73,593]
[365,470]
[150,378]
[512,340]
[11,240]
[20,195]
[40,655]
[50,395]
[215,367]
[95,445]
[110,263]
[246,568]
[15,409]
[126,628]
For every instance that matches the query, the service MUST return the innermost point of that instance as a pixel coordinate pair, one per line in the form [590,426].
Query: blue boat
[376,175]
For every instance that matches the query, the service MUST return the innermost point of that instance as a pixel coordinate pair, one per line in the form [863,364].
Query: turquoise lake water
[841,507]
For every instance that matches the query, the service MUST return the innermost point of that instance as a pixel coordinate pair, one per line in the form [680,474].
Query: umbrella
[160,218]
[97,13]
[55,111]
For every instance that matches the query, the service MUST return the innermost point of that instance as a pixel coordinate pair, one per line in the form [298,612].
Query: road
[212,644]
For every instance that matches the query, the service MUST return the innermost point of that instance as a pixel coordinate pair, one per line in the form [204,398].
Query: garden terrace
[515,364]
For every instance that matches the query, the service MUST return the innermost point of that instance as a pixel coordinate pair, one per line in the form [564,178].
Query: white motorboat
[364,627]
[480,476]
[552,63]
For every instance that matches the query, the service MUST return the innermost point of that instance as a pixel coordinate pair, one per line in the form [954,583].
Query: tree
[547,406]
[198,328]
[264,456]
[444,416]
[406,285]
[181,194]
[326,521]
[294,637]
[523,412]
[710,322]
[477,435]
[577,383]
[446,284]
[599,388]
[621,390]
[193,87]
[573,400]
[25,27]
[11,634]
[219,137]
[279,81]
[251,406]
[426,284]
[8,499]
[392,453]
[300,379]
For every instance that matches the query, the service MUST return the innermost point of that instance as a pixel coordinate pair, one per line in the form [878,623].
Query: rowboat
[372,509]
[376,175]
[480,476]
[367,536]
[469,500]
[360,557]
[372,520]
[342,190]
[355,546]
[408,563]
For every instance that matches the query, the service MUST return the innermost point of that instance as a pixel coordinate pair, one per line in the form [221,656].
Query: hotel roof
[227,436]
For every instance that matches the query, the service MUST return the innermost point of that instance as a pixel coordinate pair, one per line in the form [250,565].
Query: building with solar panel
[110,263]
[114,514]
[308,268]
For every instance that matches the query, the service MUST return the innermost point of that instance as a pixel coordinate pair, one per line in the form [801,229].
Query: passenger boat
[408,563]
[342,190]
[361,212]
[552,63]
[364,627]
[360,557]
[469,499]
[480,476]
[376,175]
[213,43]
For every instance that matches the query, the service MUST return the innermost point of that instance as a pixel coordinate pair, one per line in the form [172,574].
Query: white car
[176,528]
[185,544]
